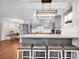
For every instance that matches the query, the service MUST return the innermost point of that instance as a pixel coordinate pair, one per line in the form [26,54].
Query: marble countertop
[48,36]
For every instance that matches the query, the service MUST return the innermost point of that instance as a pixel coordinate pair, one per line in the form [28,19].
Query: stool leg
[22,54]
[17,54]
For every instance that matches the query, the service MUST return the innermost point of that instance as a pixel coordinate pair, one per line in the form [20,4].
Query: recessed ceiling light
[17,20]
[53,15]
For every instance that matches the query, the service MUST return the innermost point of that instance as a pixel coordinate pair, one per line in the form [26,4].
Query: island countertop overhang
[48,36]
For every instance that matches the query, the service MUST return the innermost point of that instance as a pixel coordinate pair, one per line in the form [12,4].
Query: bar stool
[54,52]
[71,52]
[39,52]
[24,52]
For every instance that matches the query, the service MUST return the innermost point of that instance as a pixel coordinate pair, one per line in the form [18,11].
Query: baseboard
[5,40]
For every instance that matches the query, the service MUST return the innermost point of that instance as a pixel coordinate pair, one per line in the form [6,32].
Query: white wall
[7,27]
[72,29]
[76,20]
[0,28]
[76,16]
[67,29]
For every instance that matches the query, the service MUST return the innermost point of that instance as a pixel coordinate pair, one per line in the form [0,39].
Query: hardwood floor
[8,49]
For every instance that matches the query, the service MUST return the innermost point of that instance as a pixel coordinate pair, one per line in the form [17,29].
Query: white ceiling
[23,9]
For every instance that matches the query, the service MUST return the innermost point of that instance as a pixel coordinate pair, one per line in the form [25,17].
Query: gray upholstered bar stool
[71,52]
[54,52]
[24,52]
[39,52]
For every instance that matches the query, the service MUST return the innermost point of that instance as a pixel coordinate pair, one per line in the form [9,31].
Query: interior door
[0,33]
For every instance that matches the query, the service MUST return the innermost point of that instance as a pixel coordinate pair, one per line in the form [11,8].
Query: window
[68,18]
[65,18]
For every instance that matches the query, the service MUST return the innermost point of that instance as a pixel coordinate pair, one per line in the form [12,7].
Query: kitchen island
[49,39]
[47,46]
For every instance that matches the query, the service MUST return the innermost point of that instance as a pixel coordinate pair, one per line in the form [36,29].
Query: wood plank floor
[8,49]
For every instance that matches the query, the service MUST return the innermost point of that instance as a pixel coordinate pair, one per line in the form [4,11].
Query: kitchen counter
[48,36]
[50,39]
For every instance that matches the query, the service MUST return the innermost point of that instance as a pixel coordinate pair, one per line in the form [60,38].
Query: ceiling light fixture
[46,1]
